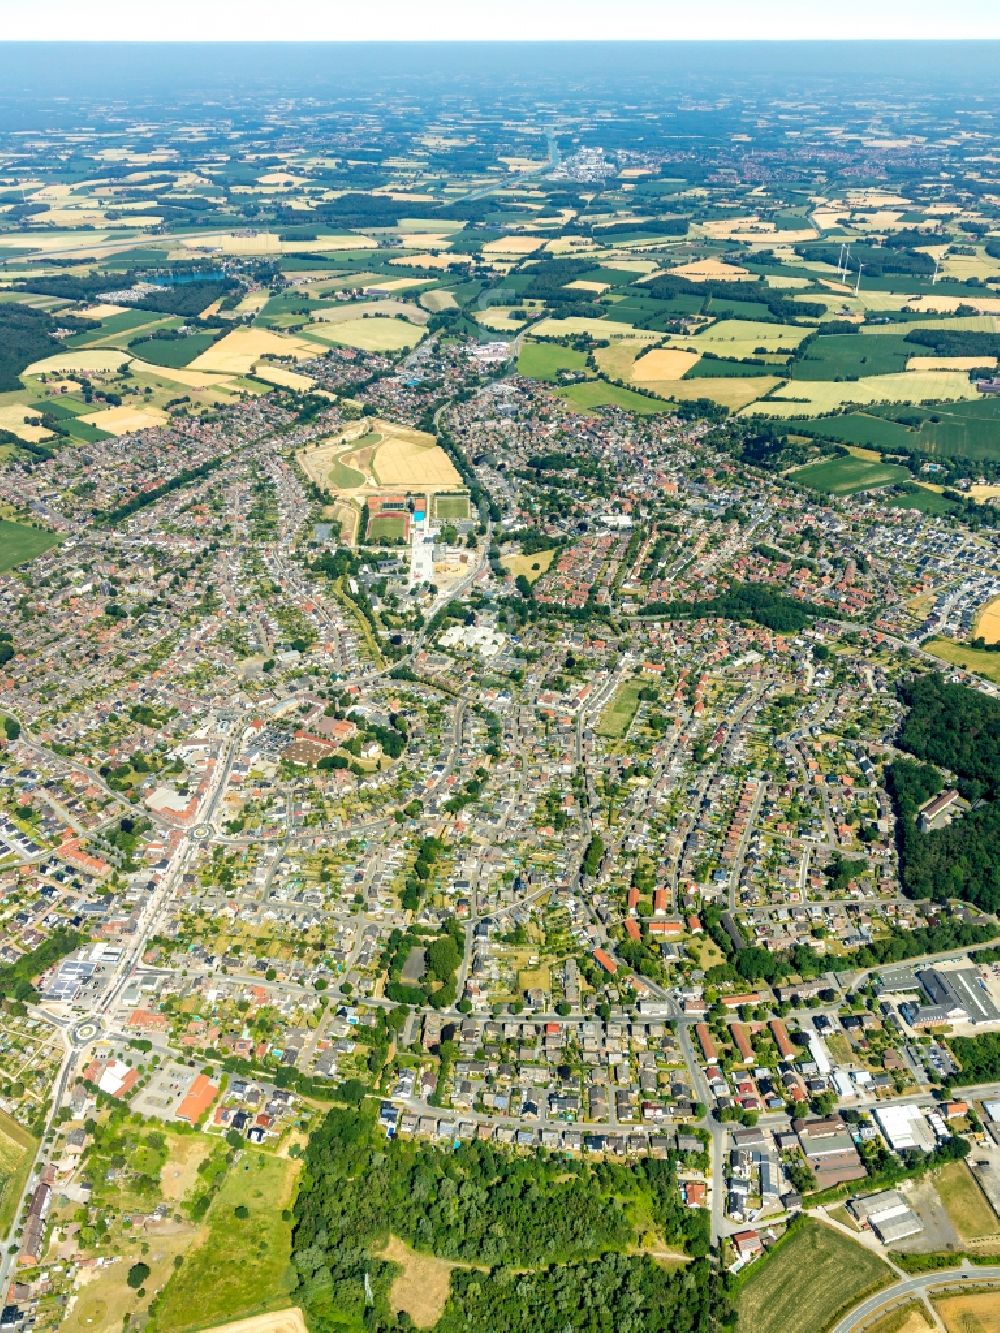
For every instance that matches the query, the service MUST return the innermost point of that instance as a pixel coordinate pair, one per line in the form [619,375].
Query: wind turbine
[840,261]
[857,288]
[937,265]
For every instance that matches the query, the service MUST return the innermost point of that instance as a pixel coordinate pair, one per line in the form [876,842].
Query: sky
[474,20]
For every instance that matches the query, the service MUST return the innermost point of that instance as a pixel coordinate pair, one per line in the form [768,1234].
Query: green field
[847,475]
[451,507]
[543,361]
[810,1278]
[591,394]
[391,526]
[344,478]
[173,352]
[19,543]
[925,502]
[242,1266]
[982,663]
[621,709]
[849,356]
[17,1152]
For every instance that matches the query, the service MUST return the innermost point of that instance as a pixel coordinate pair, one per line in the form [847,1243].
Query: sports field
[810,1278]
[20,543]
[845,475]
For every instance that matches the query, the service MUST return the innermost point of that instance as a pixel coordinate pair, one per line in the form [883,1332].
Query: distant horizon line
[506,41]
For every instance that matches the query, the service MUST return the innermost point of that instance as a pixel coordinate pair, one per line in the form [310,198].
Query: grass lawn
[242,1266]
[344,478]
[927,502]
[531,566]
[392,526]
[19,543]
[17,1152]
[847,475]
[807,1282]
[598,393]
[543,361]
[982,663]
[967,1205]
[621,709]
[450,507]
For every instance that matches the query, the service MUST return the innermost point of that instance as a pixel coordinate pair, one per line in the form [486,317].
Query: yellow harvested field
[602,329]
[282,1321]
[403,462]
[951,363]
[397,284]
[981,494]
[702,270]
[285,379]
[253,302]
[351,310]
[513,245]
[812,397]
[441,261]
[103,310]
[15,417]
[969,1311]
[123,420]
[663,363]
[735,393]
[269,243]
[380,333]
[617,360]
[581,286]
[191,379]
[946,305]
[237,352]
[988,622]
[740,338]
[439,299]
[93,360]
[498,318]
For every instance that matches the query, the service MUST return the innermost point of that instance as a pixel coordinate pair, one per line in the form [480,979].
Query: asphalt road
[916,1287]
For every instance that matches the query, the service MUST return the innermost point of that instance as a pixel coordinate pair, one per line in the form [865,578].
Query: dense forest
[956,729]
[25,337]
[553,1233]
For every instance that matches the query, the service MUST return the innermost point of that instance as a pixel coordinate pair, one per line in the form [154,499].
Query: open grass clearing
[17,1152]
[965,1202]
[544,361]
[810,1278]
[846,474]
[241,1266]
[421,1286]
[531,566]
[620,710]
[280,1321]
[20,543]
[591,394]
[103,1298]
[961,655]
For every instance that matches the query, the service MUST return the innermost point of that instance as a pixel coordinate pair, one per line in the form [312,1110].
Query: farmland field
[174,352]
[807,397]
[238,351]
[20,543]
[17,1151]
[591,394]
[961,655]
[379,333]
[812,1276]
[988,622]
[543,361]
[846,475]
[969,1311]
